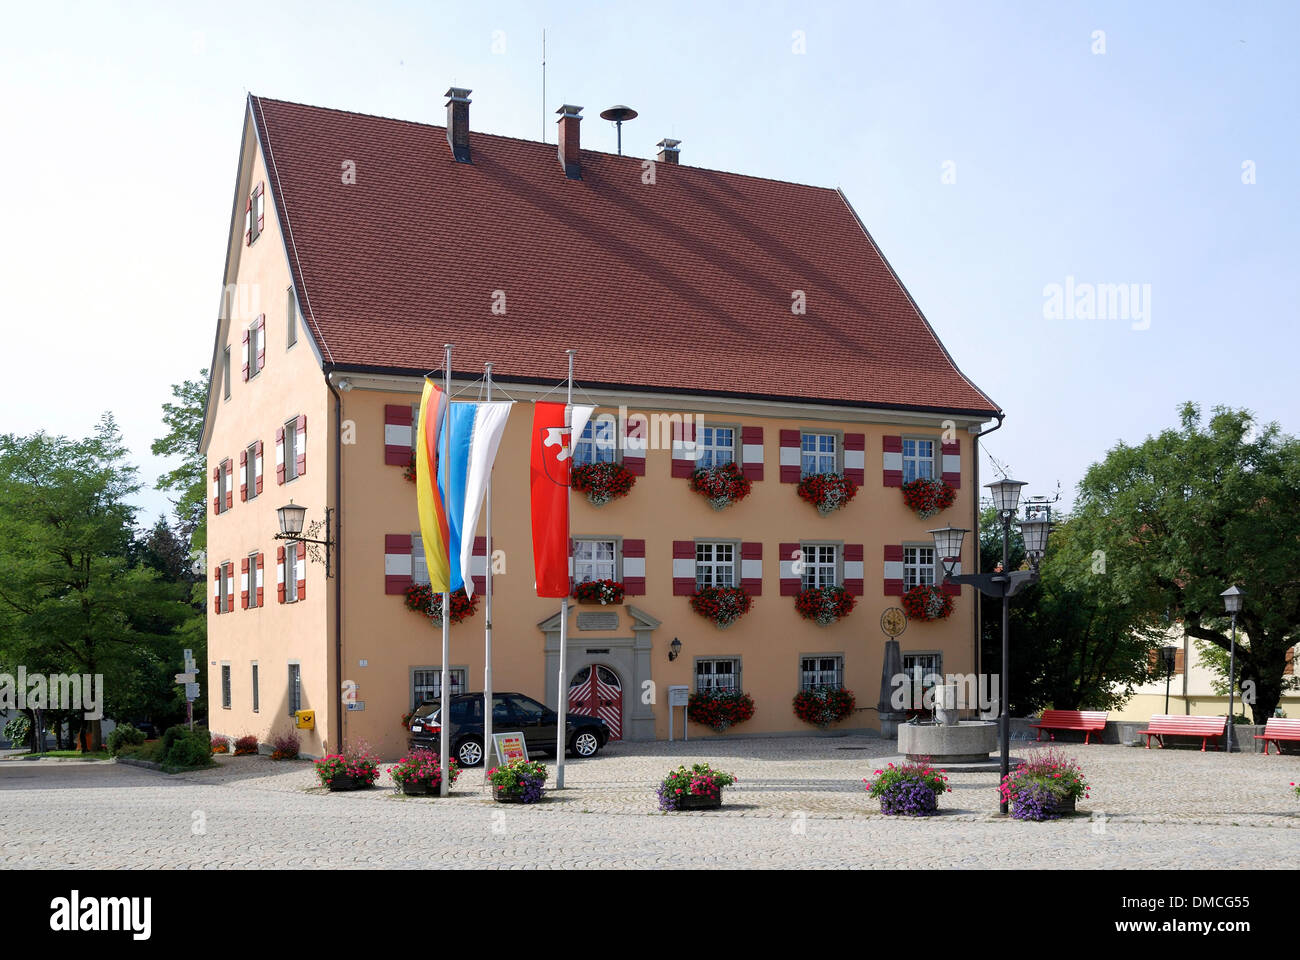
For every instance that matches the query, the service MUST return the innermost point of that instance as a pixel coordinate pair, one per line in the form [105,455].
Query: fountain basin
[968,741]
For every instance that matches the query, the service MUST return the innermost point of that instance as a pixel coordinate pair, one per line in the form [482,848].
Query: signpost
[191,687]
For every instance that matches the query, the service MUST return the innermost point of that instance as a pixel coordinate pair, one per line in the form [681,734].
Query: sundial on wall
[893,621]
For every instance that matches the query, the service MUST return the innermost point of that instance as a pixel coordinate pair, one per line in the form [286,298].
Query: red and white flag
[554,426]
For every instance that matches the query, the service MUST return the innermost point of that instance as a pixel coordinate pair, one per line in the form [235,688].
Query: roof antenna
[618,114]
[543,84]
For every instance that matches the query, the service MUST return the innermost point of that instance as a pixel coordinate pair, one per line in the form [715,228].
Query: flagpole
[487,616]
[561,725]
[445,713]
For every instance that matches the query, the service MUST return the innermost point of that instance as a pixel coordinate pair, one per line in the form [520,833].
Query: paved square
[799,802]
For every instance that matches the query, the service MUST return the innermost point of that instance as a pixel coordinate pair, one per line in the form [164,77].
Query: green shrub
[182,747]
[124,735]
[16,730]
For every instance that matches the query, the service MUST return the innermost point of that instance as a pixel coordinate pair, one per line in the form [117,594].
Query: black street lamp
[291,517]
[1001,583]
[1169,657]
[1232,598]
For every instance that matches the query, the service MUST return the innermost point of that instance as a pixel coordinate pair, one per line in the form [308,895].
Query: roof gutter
[338,558]
[978,610]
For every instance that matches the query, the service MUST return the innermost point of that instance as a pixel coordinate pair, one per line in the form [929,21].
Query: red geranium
[602,482]
[827,491]
[598,591]
[720,709]
[924,602]
[928,496]
[822,706]
[421,598]
[723,605]
[722,485]
[824,604]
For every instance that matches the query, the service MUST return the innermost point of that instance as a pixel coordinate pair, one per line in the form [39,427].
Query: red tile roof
[682,285]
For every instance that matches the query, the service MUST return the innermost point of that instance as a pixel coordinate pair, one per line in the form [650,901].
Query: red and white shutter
[216,489]
[243,475]
[791,582]
[300,445]
[248,221]
[893,570]
[230,484]
[853,564]
[892,461]
[397,563]
[952,463]
[478,565]
[259,206]
[279,574]
[398,434]
[230,586]
[257,466]
[243,583]
[683,568]
[216,590]
[685,455]
[279,455]
[790,456]
[751,452]
[855,458]
[258,580]
[302,570]
[751,567]
[634,565]
[261,341]
[245,348]
[634,445]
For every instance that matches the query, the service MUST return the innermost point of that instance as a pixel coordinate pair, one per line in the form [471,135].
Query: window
[526,709]
[225,373]
[291,315]
[250,472]
[256,346]
[820,568]
[252,584]
[256,699]
[818,454]
[918,459]
[918,567]
[295,688]
[817,672]
[419,563]
[291,450]
[922,672]
[715,564]
[426,683]
[594,560]
[254,213]
[597,443]
[291,571]
[223,485]
[225,686]
[717,675]
[223,588]
[715,446]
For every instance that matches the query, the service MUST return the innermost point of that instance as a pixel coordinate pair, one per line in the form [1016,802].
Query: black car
[511,713]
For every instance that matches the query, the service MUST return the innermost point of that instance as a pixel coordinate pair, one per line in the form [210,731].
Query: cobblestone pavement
[799,802]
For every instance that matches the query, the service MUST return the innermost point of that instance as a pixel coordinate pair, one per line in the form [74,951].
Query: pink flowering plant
[359,764]
[700,780]
[519,778]
[1042,786]
[420,768]
[910,789]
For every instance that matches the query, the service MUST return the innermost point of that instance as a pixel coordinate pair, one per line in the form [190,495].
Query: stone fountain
[947,740]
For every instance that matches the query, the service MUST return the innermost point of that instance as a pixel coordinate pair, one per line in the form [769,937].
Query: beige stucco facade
[380,642]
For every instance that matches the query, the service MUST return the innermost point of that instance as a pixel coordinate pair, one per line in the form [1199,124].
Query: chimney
[570,117]
[458,123]
[668,150]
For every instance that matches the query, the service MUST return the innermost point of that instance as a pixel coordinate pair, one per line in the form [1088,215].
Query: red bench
[1277,729]
[1089,721]
[1163,725]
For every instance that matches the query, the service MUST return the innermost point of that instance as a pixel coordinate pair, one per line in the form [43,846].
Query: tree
[1074,644]
[184,420]
[71,600]
[1185,514]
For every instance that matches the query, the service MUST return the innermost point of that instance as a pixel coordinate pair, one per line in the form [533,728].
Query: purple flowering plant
[910,789]
[1042,785]
[519,778]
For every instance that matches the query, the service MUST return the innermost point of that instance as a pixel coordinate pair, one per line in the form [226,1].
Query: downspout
[338,558]
[979,597]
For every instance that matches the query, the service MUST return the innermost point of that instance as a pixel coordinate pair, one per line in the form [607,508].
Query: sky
[1010,159]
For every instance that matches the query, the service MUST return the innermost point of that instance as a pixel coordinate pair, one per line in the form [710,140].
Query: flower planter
[420,789]
[692,802]
[597,603]
[346,783]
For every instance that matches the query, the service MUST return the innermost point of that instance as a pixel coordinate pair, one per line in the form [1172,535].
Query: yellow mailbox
[306,719]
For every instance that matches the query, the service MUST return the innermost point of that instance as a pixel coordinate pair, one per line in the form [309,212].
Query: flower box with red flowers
[722,485]
[352,771]
[822,706]
[719,709]
[825,605]
[696,788]
[924,602]
[722,605]
[827,491]
[602,592]
[419,774]
[421,599]
[602,482]
[927,496]
[409,470]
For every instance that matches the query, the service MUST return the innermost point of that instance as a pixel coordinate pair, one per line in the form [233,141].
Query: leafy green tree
[71,600]
[188,480]
[1182,516]
[1074,644]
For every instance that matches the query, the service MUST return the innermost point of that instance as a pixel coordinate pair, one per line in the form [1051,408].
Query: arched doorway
[595,691]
